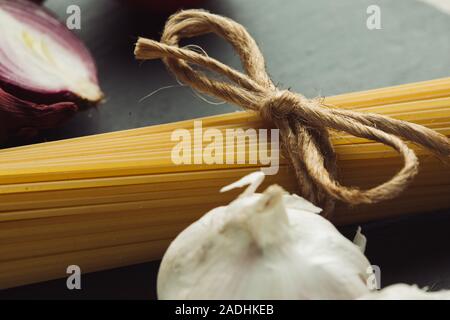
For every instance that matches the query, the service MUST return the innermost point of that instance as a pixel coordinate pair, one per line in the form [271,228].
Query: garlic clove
[294,202]
[262,246]
[265,220]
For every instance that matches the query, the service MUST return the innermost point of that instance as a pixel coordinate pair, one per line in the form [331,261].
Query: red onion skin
[24,119]
[42,97]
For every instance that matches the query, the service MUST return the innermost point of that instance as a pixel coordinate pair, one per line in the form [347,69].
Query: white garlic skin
[403,291]
[263,246]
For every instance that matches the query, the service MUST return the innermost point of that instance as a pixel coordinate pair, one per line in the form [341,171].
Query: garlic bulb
[402,291]
[262,246]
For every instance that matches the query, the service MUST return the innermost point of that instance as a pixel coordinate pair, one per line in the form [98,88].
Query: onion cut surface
[46,72]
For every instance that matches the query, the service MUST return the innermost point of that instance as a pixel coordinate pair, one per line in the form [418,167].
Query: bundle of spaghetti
[116,199]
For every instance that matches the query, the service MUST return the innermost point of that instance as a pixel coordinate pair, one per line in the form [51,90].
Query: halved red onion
[44,67]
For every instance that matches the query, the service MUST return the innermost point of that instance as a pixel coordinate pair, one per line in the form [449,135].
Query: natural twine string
[303,123]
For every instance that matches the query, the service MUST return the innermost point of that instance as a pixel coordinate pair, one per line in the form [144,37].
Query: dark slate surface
[319,47]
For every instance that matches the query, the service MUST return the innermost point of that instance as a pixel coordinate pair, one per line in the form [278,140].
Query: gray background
[319,47]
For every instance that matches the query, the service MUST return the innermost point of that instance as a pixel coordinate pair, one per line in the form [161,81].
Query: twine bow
[303,123]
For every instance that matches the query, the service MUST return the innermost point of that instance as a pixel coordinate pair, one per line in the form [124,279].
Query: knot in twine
[303,123]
